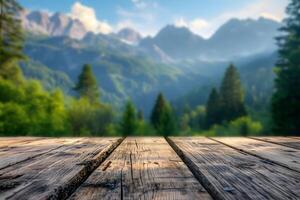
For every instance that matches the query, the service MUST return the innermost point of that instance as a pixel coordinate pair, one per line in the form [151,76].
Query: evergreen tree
[11,41]
[140,115]
[129,120]
[162,117]
[232,96]
[286,99]
[87,85]
[157,111]
[213,109]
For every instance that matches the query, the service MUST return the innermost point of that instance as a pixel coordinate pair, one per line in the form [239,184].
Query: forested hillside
[58,79]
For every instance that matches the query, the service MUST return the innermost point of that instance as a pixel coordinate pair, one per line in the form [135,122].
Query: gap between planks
[283,156]
[38,183]
[197,173]
[142,168]
[228,173]
[283,141]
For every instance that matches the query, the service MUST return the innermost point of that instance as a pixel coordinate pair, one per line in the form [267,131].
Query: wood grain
[230,174]
[28,150]
[57,173]
[281,155]
[284,141]
[6,142]
[297,138]
[142,168]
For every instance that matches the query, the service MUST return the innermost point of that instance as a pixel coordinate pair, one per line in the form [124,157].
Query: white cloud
[198,26]
[143,17]
[88,17]
[139,3]
[271,9]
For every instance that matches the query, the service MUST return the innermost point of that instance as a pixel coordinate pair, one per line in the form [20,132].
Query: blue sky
[203,17]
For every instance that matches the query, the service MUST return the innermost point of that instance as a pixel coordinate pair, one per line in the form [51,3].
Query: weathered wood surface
[142,168]
[149,168]
[285,141]
[230,174]
[19,152]
[297,138]
[6,142]
[281,155]
[60,169]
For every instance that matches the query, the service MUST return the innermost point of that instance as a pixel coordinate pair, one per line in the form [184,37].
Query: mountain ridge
[235,38]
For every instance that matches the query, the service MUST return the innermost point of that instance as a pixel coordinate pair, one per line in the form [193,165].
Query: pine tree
[232,96]
[129,120]
[213,109]
[140,115]
[11,41]
[87,85]
[157,111]
[162,117]
[286,99]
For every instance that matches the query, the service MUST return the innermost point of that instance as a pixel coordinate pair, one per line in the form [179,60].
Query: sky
[203,17]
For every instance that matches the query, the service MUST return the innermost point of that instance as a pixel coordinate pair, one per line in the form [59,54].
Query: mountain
[244,38]
[175,42]
[174,62]
[58,24]
[49,78]
[129,36]
[236,38]
[121,74]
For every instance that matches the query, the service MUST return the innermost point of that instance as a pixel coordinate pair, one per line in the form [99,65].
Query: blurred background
[149,67]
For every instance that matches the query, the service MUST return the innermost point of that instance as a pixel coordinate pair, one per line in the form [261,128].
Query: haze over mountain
[129,35]
[234,39]
[125,63]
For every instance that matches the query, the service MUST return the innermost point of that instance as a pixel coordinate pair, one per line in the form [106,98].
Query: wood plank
[6,142]
[281,155]
[297,138]
[142,168]
[284,141]
[26,151]
[230,174]
[55,174]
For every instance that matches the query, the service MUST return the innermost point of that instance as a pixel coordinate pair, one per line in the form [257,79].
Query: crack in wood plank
[67,172]
[228,174]
[277,159]
[145,173]
[284,141]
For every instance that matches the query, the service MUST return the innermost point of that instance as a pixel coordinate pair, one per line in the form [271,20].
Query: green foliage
[162,117]
[27,109]
[11,41]
[87,85]
[286,99]
[231,95]
[129,122]
[192,120]
[213,108]
[13,119]
[140,115]
[228,104]
[87,119]
[244,126]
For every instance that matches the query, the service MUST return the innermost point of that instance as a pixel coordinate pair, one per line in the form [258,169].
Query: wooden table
[150,168]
